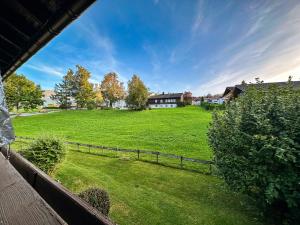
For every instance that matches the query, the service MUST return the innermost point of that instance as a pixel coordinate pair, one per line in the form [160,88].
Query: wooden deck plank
[19,202]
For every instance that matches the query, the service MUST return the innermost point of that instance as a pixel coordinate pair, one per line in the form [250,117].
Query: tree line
[75,87]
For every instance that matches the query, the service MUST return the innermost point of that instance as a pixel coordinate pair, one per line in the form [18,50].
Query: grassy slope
[144,194]
[179,131]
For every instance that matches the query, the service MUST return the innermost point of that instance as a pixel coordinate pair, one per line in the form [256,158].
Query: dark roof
[26,26]
[170,95]
[296,85]
[241,87]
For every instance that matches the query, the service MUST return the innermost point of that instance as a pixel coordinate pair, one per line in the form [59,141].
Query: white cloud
[51,70]
[273,56]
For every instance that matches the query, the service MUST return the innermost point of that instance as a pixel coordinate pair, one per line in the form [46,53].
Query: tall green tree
[65,90]
[22,93]
[137,94]
[112,89]
[83,93]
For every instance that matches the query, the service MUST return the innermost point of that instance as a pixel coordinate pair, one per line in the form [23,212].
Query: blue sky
[175,45]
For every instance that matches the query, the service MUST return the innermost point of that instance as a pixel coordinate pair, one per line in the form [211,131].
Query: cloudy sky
[174,45]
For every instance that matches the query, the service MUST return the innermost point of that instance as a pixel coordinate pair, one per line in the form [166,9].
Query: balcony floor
[19,202]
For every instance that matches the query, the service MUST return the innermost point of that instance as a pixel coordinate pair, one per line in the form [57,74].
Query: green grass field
[144,193]
[179,131]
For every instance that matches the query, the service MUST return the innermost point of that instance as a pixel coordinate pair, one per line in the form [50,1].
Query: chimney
[163,93]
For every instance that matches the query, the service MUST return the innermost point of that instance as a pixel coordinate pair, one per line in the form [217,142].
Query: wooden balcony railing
[68,206]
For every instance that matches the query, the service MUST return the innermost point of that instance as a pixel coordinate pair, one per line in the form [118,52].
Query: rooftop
[169,95]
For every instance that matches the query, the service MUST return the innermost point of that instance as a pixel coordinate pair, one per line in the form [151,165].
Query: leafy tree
[187,98]
[65,90]
[83,93]
[112,89]
[98,98]
[137,93]
[256,144]
[22,93]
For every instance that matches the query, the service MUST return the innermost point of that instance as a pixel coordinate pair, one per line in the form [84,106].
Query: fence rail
[138,152]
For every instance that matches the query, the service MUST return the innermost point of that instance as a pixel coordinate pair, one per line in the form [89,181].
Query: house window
[155,100]
[161,101]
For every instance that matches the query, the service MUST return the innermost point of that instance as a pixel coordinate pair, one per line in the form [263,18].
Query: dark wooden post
[89,149]
[181,159]
[138,152]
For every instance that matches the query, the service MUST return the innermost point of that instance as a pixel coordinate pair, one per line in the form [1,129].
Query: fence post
[181,159]
[138,152]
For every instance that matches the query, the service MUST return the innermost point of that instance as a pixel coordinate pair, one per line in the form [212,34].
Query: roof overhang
[26,26]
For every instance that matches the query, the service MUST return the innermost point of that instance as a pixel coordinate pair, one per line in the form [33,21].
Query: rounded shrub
[256,145]
[98,198]
[45,152]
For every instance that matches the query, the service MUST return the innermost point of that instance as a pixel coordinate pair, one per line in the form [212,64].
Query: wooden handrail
[70,207]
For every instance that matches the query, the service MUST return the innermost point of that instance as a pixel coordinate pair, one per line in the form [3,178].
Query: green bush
[91,105]
[98,198]
[45,152]
[212,106]
[256,144]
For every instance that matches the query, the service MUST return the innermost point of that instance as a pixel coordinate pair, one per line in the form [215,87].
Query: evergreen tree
[65,90]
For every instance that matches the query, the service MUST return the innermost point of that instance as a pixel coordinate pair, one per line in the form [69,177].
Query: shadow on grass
[209,170]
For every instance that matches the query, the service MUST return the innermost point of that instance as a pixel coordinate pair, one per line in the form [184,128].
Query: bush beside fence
[162,158]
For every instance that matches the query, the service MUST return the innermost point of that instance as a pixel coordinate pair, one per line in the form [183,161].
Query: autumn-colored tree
[22,93]
[83,90]
[112,89]
[137,93]
[64,91]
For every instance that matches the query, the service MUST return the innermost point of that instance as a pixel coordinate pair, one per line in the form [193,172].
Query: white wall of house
[196,102]
[121,104]
[217,101]
[159,106]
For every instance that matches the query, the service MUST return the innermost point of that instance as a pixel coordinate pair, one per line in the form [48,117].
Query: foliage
[98,96]
[98,198]
[256,143]
[112,89]
[212,106]
[187,98]
[22,93]
[137,93]
[45,152]
[64,91]
[83,88]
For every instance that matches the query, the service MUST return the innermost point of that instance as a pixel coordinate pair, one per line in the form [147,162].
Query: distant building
[120,104]
[196,101]
[48,102]
[235,91]
[163,100]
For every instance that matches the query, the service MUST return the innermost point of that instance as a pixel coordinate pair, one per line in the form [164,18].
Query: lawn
[179,131]
[144,193]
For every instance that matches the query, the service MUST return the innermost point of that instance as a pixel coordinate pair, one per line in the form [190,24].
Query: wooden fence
[157,155]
